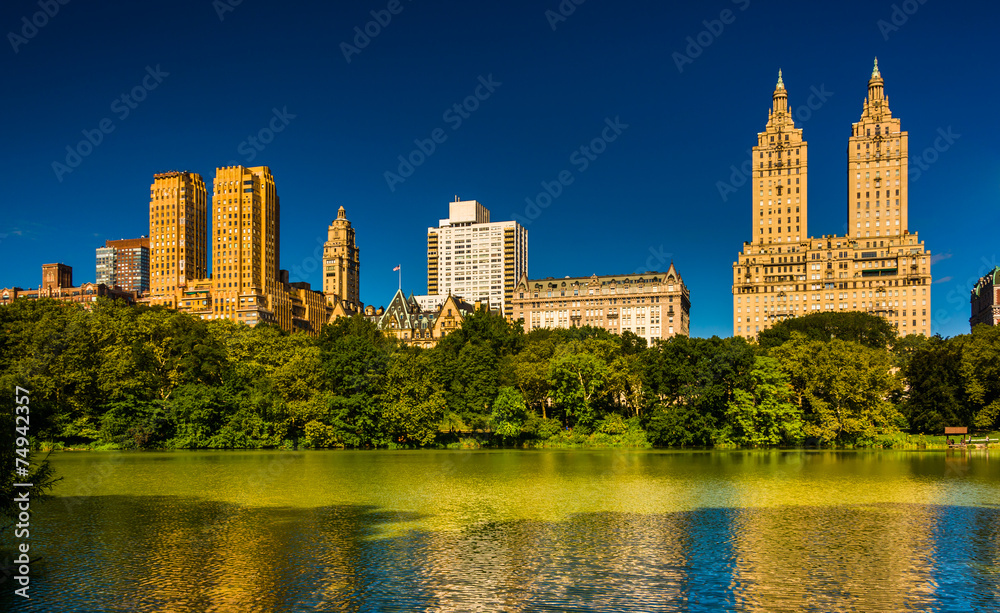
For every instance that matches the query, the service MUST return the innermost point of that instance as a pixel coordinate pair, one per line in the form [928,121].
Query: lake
[567,530]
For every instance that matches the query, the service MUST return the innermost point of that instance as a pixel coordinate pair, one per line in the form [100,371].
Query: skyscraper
[478,260]
[341,262]
[878,267]
[124,264]
[245,242]
[177,234]
[246,284]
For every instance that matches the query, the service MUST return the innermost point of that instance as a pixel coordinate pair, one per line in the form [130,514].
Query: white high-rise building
[471,257]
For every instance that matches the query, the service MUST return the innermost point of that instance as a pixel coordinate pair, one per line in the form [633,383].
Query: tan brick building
[246,284]
[341,262]
[985,300]
[653,305]
[178,234]
[879,266]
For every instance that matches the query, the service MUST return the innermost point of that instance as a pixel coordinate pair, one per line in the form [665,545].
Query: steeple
[341,214]
[780,96]
[875,86]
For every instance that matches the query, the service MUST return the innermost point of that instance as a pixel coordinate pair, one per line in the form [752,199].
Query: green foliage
[413,404]
[509,412]
[577,372]
[763,414]
[981,371]
[936,396]
[843,388]
[863,328]
[119,377]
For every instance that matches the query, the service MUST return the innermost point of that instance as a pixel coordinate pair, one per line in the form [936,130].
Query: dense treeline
[137,377]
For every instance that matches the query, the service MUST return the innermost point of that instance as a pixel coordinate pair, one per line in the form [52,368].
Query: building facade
[879,266]
[653,305]
[246,284]
[178,234]
[404,319]
[341,262]
[125,264]
[472,257]
[57,283]
[985,300]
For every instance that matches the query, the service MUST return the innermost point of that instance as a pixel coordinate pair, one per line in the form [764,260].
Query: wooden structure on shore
[967,441]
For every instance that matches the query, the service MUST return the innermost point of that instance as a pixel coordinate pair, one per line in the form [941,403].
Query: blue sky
[688,86]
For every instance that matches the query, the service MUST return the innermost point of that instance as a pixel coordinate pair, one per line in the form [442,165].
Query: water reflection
[771,531]
[185,555]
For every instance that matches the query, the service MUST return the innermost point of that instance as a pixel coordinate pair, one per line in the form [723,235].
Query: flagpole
[400,268]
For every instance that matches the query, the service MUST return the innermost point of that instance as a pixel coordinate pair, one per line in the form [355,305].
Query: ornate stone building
[879,266]
[653,305]
[985,300]
[341,262]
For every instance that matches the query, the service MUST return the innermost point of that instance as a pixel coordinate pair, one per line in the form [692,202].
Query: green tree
[935,396]
[355,358]
[413,402]
[843,388]
[530,370]
[981,371]
[763,414]
[578,372]
[862,328]
[509,412]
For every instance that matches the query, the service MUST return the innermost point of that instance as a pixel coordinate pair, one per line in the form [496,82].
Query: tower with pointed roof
[341,263]
[779,175]
[877,168]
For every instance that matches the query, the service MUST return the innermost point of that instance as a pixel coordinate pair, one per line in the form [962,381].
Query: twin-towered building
[879,266]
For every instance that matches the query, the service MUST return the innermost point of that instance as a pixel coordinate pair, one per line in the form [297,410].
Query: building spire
[780,97]
[876,91]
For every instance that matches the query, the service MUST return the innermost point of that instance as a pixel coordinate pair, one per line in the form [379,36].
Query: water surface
[518,531]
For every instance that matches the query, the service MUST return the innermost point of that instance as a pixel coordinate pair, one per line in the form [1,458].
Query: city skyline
[595,140]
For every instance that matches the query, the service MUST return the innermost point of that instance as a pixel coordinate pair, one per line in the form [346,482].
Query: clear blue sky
[652,194]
